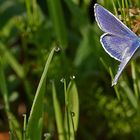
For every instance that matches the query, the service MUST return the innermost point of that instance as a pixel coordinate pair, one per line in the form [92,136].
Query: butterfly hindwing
[117,46]
[127,56]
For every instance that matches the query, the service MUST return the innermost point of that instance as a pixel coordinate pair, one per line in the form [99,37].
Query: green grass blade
[66,119]
[104,64]
[12,61]
[127,14]
[83,49]
[109,70]
[135,82]
[33,12]
[73,104]
[56,13]
[115,87]
[76,12]
[123,11]
[130,2]
[34,126]
[58,114]
[129,93]
[28,9]
[72,110]
[13,124]
[16,130]
[115,8]
[120,7]
[3,87]
[24,127]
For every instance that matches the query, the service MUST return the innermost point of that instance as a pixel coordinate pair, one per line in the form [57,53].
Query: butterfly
[118,40]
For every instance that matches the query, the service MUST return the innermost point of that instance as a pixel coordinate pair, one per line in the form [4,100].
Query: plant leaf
[58,115]
[73,103]
[34,126]
[57,16]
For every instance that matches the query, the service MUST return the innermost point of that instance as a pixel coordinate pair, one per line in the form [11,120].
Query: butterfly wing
[118,41]
[123,64]
[115,46]
[120,69]
[110,24]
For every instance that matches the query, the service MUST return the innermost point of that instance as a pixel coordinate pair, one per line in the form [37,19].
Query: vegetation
[56,77]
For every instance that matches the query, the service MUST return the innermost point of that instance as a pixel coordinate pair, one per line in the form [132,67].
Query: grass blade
[72,110]
[24,127]
[115,8]
[73,103]
[130,95]
[3,87]
[34,126]
[66,119]
[58,115]
[135,83]
[57,16]
[12,61]
[115,87]
[13,124]
[76,12]
[15,128]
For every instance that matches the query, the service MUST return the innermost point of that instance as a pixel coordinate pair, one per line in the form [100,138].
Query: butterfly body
[118,40]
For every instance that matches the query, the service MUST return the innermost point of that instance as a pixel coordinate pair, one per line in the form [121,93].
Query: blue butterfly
[118,40]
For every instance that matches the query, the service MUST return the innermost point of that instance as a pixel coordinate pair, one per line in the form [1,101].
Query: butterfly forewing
[110,24]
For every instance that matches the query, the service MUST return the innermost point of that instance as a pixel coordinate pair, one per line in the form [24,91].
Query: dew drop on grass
[62,80]
[57,49]
[72,114]
[72,77]
[47,135]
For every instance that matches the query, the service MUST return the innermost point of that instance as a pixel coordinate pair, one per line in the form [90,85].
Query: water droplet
[47,135]
[72,77]
[72,114]
[24,115]
[57,49]
[62,80]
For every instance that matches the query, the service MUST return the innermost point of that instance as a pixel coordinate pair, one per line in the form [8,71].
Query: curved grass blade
[34,126]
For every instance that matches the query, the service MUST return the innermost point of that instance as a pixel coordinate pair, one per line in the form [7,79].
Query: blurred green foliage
[29,29]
